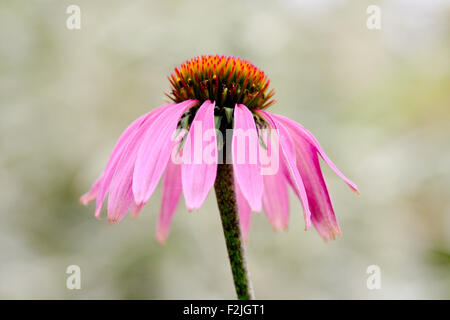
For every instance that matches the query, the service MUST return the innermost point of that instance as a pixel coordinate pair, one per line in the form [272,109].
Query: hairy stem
[226,200]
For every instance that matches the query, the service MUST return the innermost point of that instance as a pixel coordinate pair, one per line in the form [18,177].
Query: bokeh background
[377,100]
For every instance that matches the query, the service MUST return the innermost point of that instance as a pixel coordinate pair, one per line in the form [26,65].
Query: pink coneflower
[218,94]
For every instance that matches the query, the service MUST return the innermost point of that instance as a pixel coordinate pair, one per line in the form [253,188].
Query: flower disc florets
[225,80]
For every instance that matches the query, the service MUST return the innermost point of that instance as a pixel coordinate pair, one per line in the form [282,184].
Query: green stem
[226,200]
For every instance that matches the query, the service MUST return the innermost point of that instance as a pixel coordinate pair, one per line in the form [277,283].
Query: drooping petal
[155,151]
[299,130]
[117,153]
[275,195]
[199,166]
[171,192]
[92,193]
[323,217]
[289,158]
[121,199]
[245,157]
[276,200]
[135,208]
[307,149]
[245,212]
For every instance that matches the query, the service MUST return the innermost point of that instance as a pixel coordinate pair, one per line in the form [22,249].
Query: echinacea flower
[217,132]
[217,93]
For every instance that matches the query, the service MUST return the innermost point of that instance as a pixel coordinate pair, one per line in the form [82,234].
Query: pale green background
[378,101]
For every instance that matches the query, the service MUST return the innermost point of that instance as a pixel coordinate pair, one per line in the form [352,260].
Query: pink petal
[199,166]
[245,157]
[299,130]
[171,192]
[244,212]
[121,199]
[135,209]
[275,195]
[323,216]
[122,144]
[91,194]
[288,151]
[155,151]
[276,200]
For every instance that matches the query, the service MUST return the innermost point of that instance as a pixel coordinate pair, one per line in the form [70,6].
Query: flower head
[218,115]
[226,80]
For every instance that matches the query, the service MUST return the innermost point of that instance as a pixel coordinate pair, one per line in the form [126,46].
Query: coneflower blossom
[183,141]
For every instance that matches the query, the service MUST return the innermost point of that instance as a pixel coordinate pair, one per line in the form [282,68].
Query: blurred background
[377,100]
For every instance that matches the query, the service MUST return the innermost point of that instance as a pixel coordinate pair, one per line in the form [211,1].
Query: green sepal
[229,114]
[217,121]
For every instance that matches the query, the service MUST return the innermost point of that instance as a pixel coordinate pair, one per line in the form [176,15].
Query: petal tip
[97,213]
[307,225]
[256,206]
[85,199]
[161,237]
[333,234]
[138,197]
[278,225]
